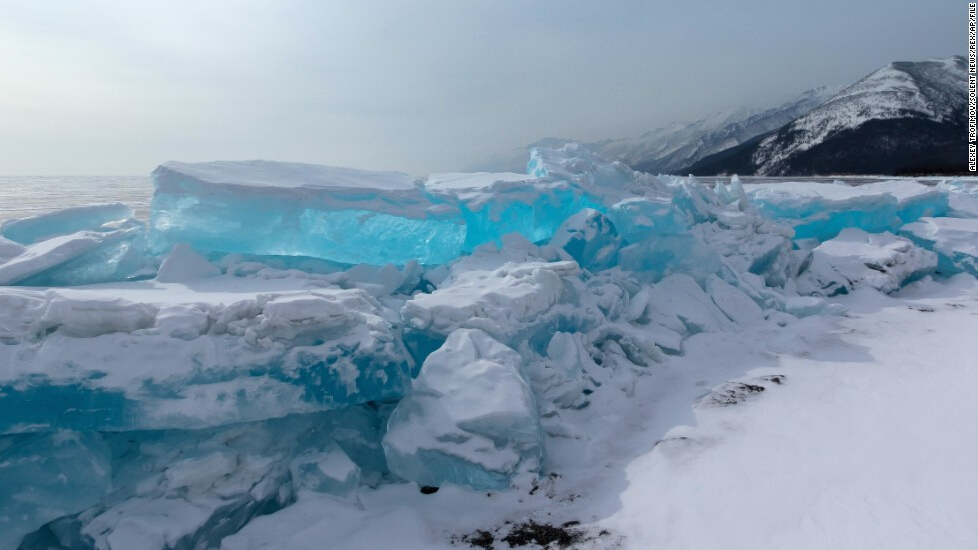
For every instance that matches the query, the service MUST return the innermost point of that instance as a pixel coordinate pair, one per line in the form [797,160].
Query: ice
[962,198]
[47,476]
[855,258]
[64,222]
[299,341]
[192,488]
[590,238]
[85,257]
[494,205]
[328,470]
[85,360]
[9,249]
[954,240]
[641,218]
[184,264]
[507,298]
[822,210]
[471,418]
[275,208]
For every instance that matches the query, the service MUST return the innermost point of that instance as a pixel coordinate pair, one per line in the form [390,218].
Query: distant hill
[677,145]
[907,117]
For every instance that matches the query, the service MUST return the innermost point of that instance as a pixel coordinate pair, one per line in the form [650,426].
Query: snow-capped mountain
[713,134]
[679,144]
[904,117]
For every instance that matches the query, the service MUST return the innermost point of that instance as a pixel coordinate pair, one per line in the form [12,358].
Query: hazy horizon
[116,88]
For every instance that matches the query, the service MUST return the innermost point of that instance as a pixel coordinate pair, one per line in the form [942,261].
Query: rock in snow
[281,332]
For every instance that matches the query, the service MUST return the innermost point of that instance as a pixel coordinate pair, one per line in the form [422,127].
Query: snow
[658,362]
[184,264]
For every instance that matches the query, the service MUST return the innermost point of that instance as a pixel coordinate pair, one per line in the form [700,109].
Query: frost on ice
[283,330]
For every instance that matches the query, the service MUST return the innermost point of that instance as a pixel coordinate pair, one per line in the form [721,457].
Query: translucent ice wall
[275,208]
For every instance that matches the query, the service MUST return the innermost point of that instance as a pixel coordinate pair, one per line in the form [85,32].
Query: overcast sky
[117,87]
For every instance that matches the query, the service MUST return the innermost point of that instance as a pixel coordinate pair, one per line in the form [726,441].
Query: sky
[117,87]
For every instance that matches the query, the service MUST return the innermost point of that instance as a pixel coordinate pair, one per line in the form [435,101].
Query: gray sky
[117,87]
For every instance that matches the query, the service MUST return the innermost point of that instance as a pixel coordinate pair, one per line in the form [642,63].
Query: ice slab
[822,210]
[856,258]
[85,257]
[85,360]
[64,222]
[955,240]
[276,208]
[494,204]
[471,418]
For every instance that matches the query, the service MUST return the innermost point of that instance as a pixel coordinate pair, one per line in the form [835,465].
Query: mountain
[701,140]
[679,144]
[906,117]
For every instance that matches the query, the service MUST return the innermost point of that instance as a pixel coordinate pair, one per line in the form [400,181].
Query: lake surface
[23,196]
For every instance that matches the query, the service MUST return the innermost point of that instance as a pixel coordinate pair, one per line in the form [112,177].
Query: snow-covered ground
[863,437]
[598,359]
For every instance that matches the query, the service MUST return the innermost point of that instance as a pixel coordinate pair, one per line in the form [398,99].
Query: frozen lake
[22,196]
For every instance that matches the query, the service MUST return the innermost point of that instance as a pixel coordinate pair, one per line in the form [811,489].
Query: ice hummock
[488,317]
[822,210]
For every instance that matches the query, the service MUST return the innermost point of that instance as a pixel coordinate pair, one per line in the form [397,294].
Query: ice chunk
[962,198]
[327,470]
[680,304]
[515,301]
[46,476]
[640,218]
[185,264]
[855,258]
[749,243]
[471,418]
[64,222]
[496,204]
[86,361]
[668,254]
[591,238]
[955,241]
[85,257]
[293,209]
[822,210]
